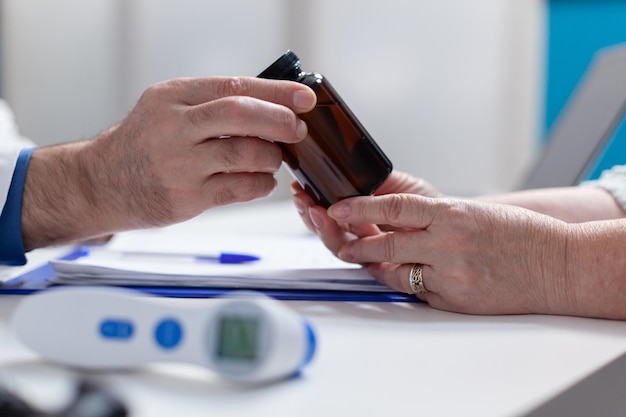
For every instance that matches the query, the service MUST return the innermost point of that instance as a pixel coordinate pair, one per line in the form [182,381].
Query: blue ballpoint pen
[223,257]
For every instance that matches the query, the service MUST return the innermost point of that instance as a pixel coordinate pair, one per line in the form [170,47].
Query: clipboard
[40,279]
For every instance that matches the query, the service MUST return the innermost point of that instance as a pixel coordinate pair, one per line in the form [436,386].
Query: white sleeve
[614,181]
[11,143]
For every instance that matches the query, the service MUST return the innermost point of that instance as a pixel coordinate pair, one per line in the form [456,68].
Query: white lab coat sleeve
[11,143]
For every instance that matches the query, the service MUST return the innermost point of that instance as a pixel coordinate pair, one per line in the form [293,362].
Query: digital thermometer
[244,337]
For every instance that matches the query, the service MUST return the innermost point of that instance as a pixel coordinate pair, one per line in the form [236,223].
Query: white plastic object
[244,336]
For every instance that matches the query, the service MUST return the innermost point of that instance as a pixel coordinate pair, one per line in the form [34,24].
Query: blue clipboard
[40,279]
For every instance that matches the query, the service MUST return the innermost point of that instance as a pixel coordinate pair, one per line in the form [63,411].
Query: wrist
[558,262]
[57,203]
[595,272]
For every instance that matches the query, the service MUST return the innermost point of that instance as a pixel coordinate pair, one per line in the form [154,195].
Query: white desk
[372,359]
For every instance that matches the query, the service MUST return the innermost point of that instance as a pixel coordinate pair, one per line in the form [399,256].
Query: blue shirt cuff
[11,242]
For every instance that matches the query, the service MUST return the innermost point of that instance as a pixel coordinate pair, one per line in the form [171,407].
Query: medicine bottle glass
[338,158]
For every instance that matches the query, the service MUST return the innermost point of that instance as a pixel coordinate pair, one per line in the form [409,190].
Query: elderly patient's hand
[334,234]
[478,258]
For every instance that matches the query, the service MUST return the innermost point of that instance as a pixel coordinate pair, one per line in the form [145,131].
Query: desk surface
[372,359]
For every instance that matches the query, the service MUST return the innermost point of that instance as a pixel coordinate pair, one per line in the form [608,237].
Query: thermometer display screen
[238,338]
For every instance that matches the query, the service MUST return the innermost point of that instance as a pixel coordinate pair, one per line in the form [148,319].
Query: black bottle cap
[287,67]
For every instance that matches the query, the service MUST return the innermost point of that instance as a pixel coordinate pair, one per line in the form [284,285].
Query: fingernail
[316,219]
[301,129]
[303,99]
[346,253]
[339,210]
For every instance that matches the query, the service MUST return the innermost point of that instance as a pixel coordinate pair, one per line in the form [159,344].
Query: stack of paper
[297,262]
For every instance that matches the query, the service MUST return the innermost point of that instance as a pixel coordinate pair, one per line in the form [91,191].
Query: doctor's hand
[187,146]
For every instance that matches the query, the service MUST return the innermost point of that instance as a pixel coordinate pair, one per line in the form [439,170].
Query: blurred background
[454,91]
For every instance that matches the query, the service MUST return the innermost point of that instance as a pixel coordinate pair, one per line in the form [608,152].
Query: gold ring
[416,279]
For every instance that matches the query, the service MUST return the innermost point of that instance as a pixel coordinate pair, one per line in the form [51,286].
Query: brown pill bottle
[338,158]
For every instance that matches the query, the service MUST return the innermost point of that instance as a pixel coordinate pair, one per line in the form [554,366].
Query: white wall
[449,88]
[173,38]
[61,66]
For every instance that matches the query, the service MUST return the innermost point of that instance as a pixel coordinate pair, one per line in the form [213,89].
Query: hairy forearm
[62,202]
[54,208]
[570,204]
[80,191]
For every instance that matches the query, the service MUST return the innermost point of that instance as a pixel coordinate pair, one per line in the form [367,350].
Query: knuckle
[249,154]
[246,188]
[276,163]
[263,155]
[224,196]
[160,90]
[286,118]
[393,207]
[236,108]
[198,115]
[232,86]
[389,246]
[230,151]
[154,90]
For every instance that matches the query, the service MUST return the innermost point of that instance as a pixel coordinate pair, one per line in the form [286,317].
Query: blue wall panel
[576,30]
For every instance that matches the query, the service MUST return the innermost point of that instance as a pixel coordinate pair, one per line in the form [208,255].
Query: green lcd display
[238,338]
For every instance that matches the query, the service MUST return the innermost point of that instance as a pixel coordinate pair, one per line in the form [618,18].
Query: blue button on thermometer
[244,337]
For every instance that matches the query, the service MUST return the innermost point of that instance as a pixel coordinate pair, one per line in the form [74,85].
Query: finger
[401,182]
[396,247]
[223,189]
[400,210]
[333,235]
[303,202]
[397,277]
[238,154]
[194,91]
[362,230]
[397,182]
[245,116]
[296,188]
[329,231]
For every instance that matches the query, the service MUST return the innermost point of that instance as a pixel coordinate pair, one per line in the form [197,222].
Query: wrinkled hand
[335,234]
[188,145]
[478,257]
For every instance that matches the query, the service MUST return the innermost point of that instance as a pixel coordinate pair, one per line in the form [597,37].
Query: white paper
[286,262]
